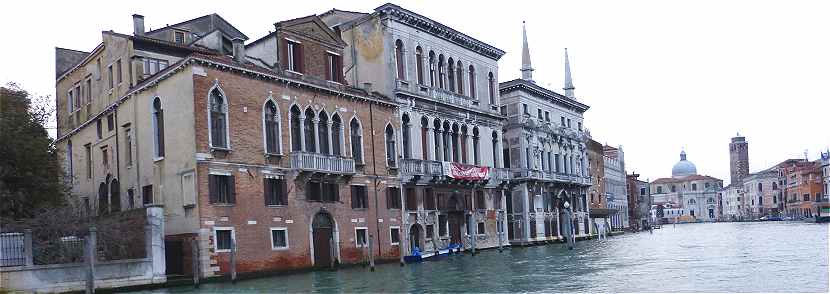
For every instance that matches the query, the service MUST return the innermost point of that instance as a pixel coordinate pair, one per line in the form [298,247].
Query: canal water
[713,257]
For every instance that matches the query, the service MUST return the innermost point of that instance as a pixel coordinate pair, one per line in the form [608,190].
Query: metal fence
[69,249]
[12,249]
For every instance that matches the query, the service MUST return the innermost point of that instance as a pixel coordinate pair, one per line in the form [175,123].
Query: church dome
[683,167]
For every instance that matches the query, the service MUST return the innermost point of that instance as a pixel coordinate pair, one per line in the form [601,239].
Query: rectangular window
[320,191]
[525,109]
[111,81]
[77,96]
[105,157]
[188,189]
[411,199]
[70,101]
[395,235]
[480,202]
[333,66]
[223,238]
[88,90]
[88,149]
[539,114]
[562,118]
[361,237]
[128,146]
[130,198]
[579,126]
[569,122]
[504,110]
[547,116]
[152,66]
[360,197]
[393,198]
[110,122]
[118,73]
[99,128]
[222,189]
[442,225]
[642,191]
[430,231]
[147,195]
[480,230]
[294,55]
[178,37]
[279,238]
[275,191]
[429,199]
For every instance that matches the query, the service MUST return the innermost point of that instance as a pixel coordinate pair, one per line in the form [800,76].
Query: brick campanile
[738,159]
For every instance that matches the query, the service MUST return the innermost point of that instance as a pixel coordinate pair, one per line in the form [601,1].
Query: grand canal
[716,257]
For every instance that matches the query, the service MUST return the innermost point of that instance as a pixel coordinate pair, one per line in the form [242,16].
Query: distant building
[615,190]
[599,211]
[731,203]
[686,189]
[738,159]
[639,202]
[803,185]
[825,170]
[761,193]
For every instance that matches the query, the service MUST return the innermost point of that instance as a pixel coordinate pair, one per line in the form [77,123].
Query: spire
[527,70]
[682,155]
[569,84]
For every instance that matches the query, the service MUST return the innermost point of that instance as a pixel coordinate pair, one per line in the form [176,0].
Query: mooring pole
[371,253]
[91,244]
[194,247]
[233,261]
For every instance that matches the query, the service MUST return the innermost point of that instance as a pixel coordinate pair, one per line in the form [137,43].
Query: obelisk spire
[527,70]
[569,84]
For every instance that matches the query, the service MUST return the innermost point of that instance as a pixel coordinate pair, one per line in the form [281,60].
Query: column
[497,158]
[430,137]
[302,131]
[328,127]
[316,122]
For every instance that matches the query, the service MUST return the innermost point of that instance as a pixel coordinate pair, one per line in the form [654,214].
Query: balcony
[552,176]
[444,171]
[315,162]
[436,94]
[418,167]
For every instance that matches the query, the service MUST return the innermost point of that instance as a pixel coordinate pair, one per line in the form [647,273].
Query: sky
[659,76]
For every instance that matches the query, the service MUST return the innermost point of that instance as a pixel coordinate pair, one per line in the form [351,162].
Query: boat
[822,215]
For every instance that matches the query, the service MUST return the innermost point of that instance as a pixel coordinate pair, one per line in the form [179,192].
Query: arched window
[491,85]
[495,141]
[158,127]
[296,130]
[323,132]
[356,140]
[451,74]
[454,136]
[308,131]
[462,137]
[432,69]
[659,189]
[673,188]
[691,201]
[774,185]
[760,187]
[419,64]
[472,82]
[399,59]
[271,121]
[336,134]
[460,77]
[447,146]
[476,157]
[441,72]
[390,146]
[218,120]
[437,139]
[405,139]
[424,138]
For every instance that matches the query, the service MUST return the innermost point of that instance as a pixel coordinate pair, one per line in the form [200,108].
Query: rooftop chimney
[238,50]
[138,25]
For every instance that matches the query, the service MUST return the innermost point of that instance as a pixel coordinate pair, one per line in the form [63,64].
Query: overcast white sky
[659,75]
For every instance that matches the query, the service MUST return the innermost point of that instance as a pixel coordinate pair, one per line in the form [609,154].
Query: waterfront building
[262,149]
[731,203]
[686,189]
[616,193]
[599,211]
[547,157]
[803,185]
[639,202]
[761,191]
[448,124]
[825,171]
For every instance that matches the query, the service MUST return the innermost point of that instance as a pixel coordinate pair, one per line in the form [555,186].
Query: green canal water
[716,257]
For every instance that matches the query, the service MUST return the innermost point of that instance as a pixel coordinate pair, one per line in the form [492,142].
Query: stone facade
[761,190]
[639,202]
[738,159]
[616,193]
[696,194]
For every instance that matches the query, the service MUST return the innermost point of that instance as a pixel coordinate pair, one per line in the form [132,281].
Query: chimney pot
[238,50]
[138,25]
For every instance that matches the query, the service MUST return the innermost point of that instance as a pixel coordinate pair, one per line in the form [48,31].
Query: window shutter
[339,67]
[212,188]
[300,58]
[232,187]
[267,191]
[283,192]
[330,62]
[283,53]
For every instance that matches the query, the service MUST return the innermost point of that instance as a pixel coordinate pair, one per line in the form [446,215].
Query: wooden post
[371,253]
[27,249]
[331,252]
[194,247]
[91,252]
[233,261]
[473,231]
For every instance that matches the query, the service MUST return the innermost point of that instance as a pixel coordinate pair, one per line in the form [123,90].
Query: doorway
[174,257]
[323,238]
[415,238]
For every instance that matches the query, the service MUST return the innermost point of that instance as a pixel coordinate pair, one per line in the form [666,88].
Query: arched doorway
[415,238]
[103,201]
[455,219]
[115,196]
[323,238]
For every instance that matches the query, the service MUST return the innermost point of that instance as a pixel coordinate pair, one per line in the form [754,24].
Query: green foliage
[30,173]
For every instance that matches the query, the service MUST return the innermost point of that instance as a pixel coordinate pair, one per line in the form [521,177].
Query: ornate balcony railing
[322,163]
[419,167]
[500,174]
[552,176]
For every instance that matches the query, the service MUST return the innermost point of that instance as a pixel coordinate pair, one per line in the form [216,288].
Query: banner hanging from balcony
[466,172]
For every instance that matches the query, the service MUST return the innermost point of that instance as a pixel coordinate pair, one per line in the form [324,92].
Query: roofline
[542,91]
[192,19]
[419,21]
[83,61]
[79,51]
[181,64]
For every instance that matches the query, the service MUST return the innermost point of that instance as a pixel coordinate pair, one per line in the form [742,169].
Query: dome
[683,167]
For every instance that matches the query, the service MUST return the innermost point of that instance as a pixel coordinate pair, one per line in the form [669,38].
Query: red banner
[466,172]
